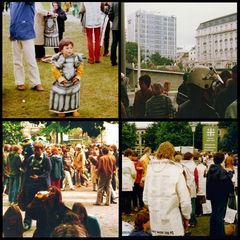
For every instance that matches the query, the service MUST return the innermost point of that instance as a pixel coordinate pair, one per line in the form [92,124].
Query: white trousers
[27,49]
[67,179]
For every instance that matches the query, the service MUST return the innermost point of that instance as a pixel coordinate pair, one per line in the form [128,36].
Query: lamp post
[139,57]
[193,126]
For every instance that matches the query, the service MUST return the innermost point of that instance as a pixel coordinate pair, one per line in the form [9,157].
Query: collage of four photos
[119,119]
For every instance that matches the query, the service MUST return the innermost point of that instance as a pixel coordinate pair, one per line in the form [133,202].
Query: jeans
[14,185]
[219,207]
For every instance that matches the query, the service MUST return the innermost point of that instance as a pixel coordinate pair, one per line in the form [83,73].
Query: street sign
[210,138]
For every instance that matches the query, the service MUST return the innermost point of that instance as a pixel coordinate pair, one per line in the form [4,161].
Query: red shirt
[139,168]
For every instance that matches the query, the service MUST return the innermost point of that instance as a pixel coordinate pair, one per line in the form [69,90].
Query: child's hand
[75,80]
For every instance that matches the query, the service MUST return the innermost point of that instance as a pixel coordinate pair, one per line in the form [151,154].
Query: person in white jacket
[165,193]
[128,178]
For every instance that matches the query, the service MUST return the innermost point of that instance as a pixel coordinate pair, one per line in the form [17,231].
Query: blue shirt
[22,20]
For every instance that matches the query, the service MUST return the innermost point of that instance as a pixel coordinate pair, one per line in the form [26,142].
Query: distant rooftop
[218,21]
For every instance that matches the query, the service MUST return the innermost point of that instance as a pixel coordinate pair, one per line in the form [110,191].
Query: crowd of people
[32,172]
[165,190]
[203,94]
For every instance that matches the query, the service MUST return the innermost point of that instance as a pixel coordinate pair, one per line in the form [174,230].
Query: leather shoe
[113,202]
[21,87]
[97,204]
[38,88]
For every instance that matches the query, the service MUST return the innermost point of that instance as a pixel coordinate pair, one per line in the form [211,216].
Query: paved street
[107,215]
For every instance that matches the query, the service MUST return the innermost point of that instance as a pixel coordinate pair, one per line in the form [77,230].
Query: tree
[157,59]
[229,143]
[129,135]
[131,52]
[178,133]
[12,132]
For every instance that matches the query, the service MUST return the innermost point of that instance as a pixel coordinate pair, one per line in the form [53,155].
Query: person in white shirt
[128,178]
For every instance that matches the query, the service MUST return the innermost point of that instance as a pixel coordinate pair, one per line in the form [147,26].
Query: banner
[210,138]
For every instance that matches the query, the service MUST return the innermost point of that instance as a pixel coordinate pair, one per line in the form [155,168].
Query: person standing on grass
[93,27]
[61,18]
[219,186]
[113,16]
[22,36]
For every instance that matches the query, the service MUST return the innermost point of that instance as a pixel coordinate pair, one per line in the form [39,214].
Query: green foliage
[131,52]
[229,143]
[157,59]
[129,135]
[178,133]
[12,132]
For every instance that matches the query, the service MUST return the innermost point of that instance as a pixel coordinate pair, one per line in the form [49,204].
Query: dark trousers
[219,207]
[39,51]
[127,202]
[106,38]
[60,34]
[115,40]
[137,196]
[29,194]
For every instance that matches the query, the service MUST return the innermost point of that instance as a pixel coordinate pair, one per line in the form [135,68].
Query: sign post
[210,138]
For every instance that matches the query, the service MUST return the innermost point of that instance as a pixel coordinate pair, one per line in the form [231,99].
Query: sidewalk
[107,215]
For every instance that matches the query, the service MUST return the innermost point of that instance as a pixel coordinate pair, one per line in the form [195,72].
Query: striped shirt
[159,107]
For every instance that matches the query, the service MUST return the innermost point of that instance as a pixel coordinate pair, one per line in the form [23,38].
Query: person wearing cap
[159,105]
[166,194]
[200,94]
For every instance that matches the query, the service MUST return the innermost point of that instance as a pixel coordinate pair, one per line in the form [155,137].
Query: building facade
[216,42]
[157,33]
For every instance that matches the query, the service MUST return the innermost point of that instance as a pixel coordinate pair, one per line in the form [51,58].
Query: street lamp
[139,57]
[193,126]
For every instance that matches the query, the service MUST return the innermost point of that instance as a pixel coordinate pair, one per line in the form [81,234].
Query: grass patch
[202,228]
[99,85]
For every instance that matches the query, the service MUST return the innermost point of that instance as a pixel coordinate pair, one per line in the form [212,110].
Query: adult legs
[106,39]
[29,54]
[89,32]
[97,44]
[115,35]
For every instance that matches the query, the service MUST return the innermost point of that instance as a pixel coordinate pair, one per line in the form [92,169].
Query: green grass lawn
[99,85]
[202,228]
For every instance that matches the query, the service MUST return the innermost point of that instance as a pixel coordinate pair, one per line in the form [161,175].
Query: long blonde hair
[165,150]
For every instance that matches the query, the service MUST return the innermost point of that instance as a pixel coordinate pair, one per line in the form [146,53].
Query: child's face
[67,50]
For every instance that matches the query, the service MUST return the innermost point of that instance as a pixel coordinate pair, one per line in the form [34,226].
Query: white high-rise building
[157,33]
[216,42]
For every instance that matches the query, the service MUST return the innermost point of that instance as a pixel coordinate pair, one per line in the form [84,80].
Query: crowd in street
[34,176]
[203,94]
[166,190]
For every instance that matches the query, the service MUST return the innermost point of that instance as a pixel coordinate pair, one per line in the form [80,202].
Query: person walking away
[166,194]
[191,171]
[105,169]
[141,96]
[57,172]
[219,186]
[93,26]
[22,36]
[128,177]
